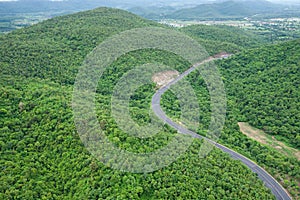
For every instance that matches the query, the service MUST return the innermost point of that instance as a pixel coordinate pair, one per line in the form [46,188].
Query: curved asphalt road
[279,192]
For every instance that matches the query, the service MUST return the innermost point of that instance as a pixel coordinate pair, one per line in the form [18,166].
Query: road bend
[279,192]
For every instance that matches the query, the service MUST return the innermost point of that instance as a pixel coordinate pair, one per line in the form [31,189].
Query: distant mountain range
[15,6]
[8,6]
[218,9]
[157,9]
[230,9]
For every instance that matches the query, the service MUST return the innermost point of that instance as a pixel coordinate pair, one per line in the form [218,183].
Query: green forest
[217,38]
[263,93]
[265,86]
[42,156]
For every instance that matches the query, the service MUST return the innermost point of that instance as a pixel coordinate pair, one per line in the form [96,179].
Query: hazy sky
[168,1]
[286,1]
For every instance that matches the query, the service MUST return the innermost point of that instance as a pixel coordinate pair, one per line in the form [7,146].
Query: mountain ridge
[227,9]
[60,44]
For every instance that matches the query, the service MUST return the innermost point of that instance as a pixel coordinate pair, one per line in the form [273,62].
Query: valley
[273,30]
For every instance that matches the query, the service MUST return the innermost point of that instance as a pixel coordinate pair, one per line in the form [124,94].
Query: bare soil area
[165,77]
[268,140]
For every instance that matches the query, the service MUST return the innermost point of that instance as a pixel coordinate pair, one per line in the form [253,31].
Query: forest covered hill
[218,38]
[265,84]
[54,49]
[262,88]
[42,156]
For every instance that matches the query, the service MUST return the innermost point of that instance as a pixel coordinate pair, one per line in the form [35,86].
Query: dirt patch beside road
[163,78]
[268,140]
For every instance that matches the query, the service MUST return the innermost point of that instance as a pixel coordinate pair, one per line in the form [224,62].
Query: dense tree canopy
[54,49]
[265,86]
[42,156]
[218,38]
[262,88]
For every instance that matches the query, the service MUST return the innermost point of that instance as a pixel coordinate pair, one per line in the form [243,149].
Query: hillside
[262,90]
[42,156]
[219,38]
[153,13]
[265,85]
[54,49]
[235,9]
